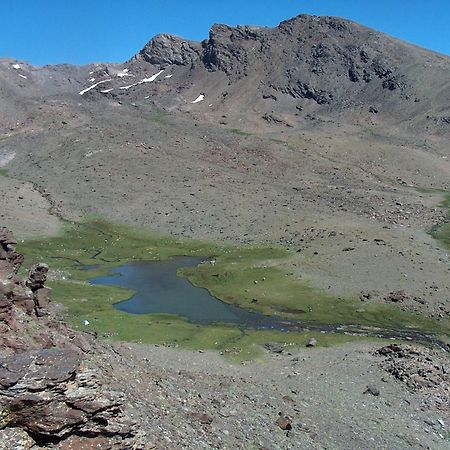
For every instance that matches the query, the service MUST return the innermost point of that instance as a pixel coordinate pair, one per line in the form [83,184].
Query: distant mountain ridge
[308,66]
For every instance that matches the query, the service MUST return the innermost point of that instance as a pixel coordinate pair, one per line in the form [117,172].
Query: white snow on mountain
[93,86]
[152,78]
[200,98]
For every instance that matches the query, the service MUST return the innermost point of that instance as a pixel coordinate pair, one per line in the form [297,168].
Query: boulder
[284,423]
[42,298]
[37,277]
[273,347]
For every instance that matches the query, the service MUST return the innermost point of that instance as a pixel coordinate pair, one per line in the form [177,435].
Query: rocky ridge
[306,68]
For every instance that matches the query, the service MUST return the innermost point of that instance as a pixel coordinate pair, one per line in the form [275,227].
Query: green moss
[250,277]
[240,132]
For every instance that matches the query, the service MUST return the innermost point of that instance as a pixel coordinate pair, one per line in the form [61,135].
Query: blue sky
[82,31]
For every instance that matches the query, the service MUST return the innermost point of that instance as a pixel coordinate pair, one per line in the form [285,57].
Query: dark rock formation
[166,49]
[227,48]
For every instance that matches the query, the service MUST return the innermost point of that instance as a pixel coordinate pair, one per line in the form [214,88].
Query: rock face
[229,49]
[322,66]
[165,49]
[48,395]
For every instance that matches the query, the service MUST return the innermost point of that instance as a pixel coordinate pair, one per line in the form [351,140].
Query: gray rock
[166,49]
[372,390]
[274,347]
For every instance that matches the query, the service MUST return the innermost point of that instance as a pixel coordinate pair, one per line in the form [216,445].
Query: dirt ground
[336,397]
[25,210]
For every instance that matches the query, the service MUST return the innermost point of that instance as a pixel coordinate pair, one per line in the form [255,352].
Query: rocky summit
[315,154]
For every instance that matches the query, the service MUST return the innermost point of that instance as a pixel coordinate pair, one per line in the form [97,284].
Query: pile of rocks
[48,394]
[29,295]
[420,369]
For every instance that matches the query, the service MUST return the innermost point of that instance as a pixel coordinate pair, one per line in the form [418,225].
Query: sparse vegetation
[442,232]
[240,132]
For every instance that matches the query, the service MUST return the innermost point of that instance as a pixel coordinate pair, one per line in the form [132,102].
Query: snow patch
[16,66]
[129,86]
[6,158]
[105,91]
[199,99]
[23,76]
[124,73]
[145,80]
[168,76]
[152,78]
[89,154]
[91,80]
[93,86]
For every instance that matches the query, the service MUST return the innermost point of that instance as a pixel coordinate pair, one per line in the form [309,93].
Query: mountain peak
[166,49]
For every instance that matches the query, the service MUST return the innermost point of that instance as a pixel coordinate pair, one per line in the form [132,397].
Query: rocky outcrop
[166,49]
[227,48]
[51,396]
[48,394]
[16,295]
[420,370]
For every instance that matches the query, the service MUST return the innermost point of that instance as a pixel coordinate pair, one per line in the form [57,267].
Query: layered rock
[48,394]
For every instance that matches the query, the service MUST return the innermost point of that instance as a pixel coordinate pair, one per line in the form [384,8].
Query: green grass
[444,203]
[157,115]
[240,132]
[3,172]
[442,234]
[239,275]
[93,303]
[276,293]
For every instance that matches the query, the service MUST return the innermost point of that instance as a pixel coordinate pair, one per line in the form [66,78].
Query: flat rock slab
[38,369]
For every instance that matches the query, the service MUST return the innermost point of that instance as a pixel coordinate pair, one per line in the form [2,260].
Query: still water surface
[158,289]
